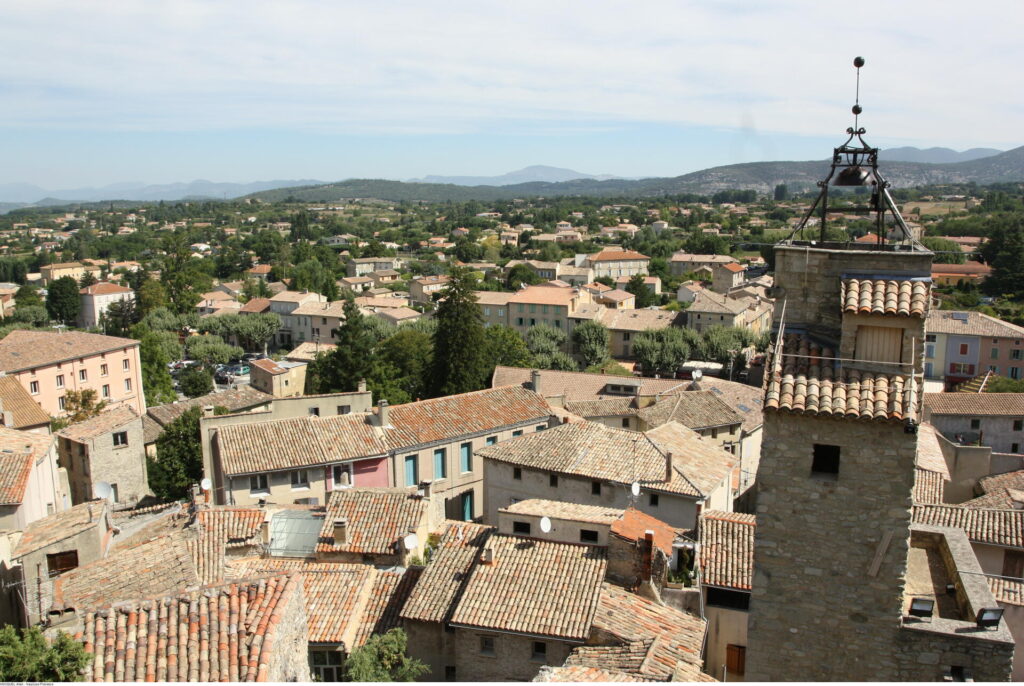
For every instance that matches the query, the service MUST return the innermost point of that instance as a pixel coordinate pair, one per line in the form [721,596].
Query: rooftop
[377,519]
[633,525]
[612,255]
[255,306]
[695,409]
[235,400]
[19,451]
[976,404]
[104,289]
[970,323]
[25,411]
[458,549]
[307,351]
[994,527]
[60,526]
[727,549]
[101,424]
[22,349]
[537,507]
[899,297]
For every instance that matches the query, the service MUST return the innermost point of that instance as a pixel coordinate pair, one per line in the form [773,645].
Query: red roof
[260,269]
[965,268]
[634,524]
[617,255]
[104,288]
[256,306]
[733,266]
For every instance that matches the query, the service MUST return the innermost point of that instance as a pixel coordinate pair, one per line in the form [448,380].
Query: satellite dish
[206,484]
[634,488]
[545,524]
[102,490]
[411,541]
[697,374]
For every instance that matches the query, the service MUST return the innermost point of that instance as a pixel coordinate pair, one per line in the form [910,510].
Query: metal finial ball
[857,109]
[858,62]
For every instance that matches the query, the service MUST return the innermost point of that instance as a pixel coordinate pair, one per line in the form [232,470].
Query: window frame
[259,484]
[123,442]
[302,482]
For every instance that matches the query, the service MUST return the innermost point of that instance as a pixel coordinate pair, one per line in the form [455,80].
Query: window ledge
[300,488]
[259,492]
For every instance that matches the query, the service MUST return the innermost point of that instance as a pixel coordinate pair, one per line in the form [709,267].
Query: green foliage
[519,275]
[28,296]
[1004,251]
[661,351]
[781,192]
[251,330]
[460,361]
[718,341]
[179,456]
[950,251]
[88,279]
[591,342]
[611,367]
[545,343]
[506,348]
[150,295]
[313,276]
[195,381]
[1001,384]
[406,358]
[155,349]
[383,658]
[211,350]
[62,300]
[341,369]
[644,294]
[34,315]
[27,656]
[119,318]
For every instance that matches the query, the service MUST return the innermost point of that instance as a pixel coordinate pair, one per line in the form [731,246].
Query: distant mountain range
[903,167]
[537,172]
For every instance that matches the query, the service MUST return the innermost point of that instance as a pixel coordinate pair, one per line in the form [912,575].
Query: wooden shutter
[1013,563]
[879,344]
[735,659]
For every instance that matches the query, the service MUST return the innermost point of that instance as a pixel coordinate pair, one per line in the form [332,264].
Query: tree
[82,405]
[153,355]
[211,350]
[644,294]
[506,348]
[781,192]
[352,359]
[661,350]
[27,296]
[196,381]
[460,357]
[520,274]
[404,360]
[1004,251]
[62,300]
[28,657]
[590,341]
[946,251]
[119,317]
[179,456]
[383,658]
[88,279]
[34,315]
[150,296]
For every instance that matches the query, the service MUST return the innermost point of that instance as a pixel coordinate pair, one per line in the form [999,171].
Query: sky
[159,92]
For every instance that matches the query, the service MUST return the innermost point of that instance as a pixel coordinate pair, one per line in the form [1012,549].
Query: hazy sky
[93,93]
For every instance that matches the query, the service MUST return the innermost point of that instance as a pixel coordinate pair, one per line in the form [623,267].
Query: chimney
[383,414]
[535,380]
[340,531]
[648,553]
[362,386]
[424,491]
[208,410]
[668,467]
[487,556]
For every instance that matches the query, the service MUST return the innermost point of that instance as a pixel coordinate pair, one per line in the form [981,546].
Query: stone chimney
[535,381]
[383,414]
[362,386]
[340,531]
[668,467]
[424,491]
[648,553]
[487,556]
[208,410]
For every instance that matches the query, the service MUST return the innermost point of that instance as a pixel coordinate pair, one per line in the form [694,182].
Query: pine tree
[62,300]
[460,354]
[352,359]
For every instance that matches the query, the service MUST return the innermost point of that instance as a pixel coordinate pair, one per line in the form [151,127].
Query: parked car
[250,357]
[227,373]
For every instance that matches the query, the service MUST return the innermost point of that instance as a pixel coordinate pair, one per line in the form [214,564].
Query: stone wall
[289,654]
[429,643]
[123,466]
[512,659]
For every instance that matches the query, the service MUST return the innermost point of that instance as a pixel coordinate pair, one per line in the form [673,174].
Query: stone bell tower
[842,404]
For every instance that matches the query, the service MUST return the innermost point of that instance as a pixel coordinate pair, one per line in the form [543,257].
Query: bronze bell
[853,176]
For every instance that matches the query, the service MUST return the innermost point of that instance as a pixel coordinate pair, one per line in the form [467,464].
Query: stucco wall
[725,627]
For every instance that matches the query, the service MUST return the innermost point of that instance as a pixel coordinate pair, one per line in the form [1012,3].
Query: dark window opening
[722,597]
[449,673]
[540,651]
[653,500]
[314,411]
[595,488]
[58,563]
[588,536]
[522,528]
[517,473]
[553,481]
[487,645]
[826,461]
[975,423]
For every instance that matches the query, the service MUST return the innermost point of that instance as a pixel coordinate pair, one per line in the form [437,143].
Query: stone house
[317,321]
[284,304]
[726,566]
[710,309]
[364,266]
[97,299]
[652,282]
[726,276]
[106,449]
[587,463]
[683,263]
[48,364]
[32,486]
[990,419]
[377,525]
[494,306]
[422,290]
[76,270]
[259,271]
[279,379]
[545,304]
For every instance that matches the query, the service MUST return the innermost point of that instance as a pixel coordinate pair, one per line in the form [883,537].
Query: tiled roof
[634,524]
[638,320]
[298,442]
[104,289]
[25,411]
[103,423]
[151,430]
[321,309]
[928,486]
[255,306]
[676,637]
[595,451]
[695,409]
[307,352]
[813,384]
[388,596]
[734,267]
[542,295]
[534,587]
[60,526]
[221,528]
[727,549]
[686,257]
[906,297]
[19,450]
[1011,480]
[709,302]
[234,400]
[260,269]
[377,519]
[492,297]
[607,255]
[604,407]
[442,419]
[995,527]
[269,366]
[624,659]
[998,499]
[288,296]
[220,634]
[929,450]
[580,674]
[976,404]
[458,549]
[159,565]
[23,349]
[969,323]
[968,268]
[556,509]
[1008,591]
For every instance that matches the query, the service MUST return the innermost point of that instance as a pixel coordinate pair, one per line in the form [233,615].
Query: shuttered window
[735,659]
[879,344]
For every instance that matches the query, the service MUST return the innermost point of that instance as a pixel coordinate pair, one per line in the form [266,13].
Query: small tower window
[826,461]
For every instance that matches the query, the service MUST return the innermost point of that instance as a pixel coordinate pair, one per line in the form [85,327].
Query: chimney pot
[535,380]
[487,556]
[340,531]
[384,413]
[668,467]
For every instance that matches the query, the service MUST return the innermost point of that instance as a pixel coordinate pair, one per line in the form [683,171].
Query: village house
[379,526]
[107,449]
[959,345]
[280,379]
[545,304]
[241,399]
[97,299]
[259,271]
[710,309]
[423,289]
[317,320]
[725,276]
[31,484]
[990,419]
[285,304]
[683,262]
[48,364]
[960,274]
[76,270]
[652,282]
[614,262]
[18,410]
[365,266]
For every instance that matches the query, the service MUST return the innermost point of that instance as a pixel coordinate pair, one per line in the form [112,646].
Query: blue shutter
[467,506]
[439,464]
[491,440]
[467,457]
[411,478]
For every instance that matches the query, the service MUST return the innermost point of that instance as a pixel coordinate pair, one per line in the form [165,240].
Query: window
[487,312]
[33,388]
[557,323]
[300,478]
[519,321]
[714,433]
[60,381]
[487,645]
[1015,447]
[975,423]
[58,563]
[625,335]
[540,651]
[929,350]
[412,471]
[491,440]
[314,412]
[625,422]
[533,308]
[541,427]
[1018,424]
[963,348]
[1015,354]
[326,665]
[466,457]
[735,600]
[544,309]
[735,659]
[533,322]
[128,385]
[258,483]
[125,365]
[588,536]
[517,473]
[440,463]
[961,368]
[522,528]
[82,376]
[342,474]
[826,461]
[879,344]
[449,673]
[930,337]
[595,488]
[994,354]
[1014,372]
[106,390]
[517,432]
[553,481]
[652,499]
[120,439]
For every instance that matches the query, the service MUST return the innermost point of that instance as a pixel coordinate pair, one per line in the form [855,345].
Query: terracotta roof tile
[255,306]
[19,450]
[234,400]
[727,549]
[103,423]
[995,527]
[625,406]
[534,587]
[695,409]
[377,519]
[217,530]
[976,404]
[25,411]
[307,352]
[23,349]
[1008,591]
[639,320]
[969,323]
[579,674]
[998,499]
[104,288]
[928,486]
[62,525]
[1011,480]
[904,297]
[634,524]
[557,509]
[607,255]
[219,634]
